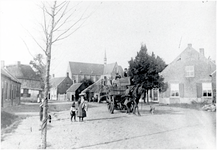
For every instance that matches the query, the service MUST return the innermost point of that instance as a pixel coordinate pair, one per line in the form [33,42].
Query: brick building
[59,86]
[188,77]
[30,82]
[10,88]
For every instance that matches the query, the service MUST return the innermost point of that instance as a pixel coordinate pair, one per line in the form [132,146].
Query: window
[207,89]
[189,71]
[174,90]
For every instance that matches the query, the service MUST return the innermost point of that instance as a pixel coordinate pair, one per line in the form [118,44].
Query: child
[73,111]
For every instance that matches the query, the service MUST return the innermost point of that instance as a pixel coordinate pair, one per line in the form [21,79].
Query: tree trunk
[47,84]
[147,97]
[45,105]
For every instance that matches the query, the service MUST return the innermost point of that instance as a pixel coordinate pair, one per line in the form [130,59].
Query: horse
[136,93]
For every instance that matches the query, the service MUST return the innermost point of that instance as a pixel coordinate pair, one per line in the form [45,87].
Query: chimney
[67,74]
[2,63]
[202,51]
[18,63]
[189,45]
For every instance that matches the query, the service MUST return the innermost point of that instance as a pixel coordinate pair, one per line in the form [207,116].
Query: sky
[117,28]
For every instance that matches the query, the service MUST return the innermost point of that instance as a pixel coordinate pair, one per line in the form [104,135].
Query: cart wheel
[131,107]
[112,108]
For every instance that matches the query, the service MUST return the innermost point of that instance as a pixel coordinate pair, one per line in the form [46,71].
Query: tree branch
[62,15]
[36,41]
[27,47]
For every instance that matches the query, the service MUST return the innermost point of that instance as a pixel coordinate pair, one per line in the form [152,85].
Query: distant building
[78,71]
[110,70]
[74,91]
[188,77]
[30,82]
[213,79]
[10,88]
[59,86]
[108,73]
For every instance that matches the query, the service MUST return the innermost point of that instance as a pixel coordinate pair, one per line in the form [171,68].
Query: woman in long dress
[82,108]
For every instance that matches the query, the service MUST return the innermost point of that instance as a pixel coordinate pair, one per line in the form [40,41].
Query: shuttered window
[174,90]
[199,90]
[207,89]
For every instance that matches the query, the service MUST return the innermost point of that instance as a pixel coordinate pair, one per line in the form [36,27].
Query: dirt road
[169,127]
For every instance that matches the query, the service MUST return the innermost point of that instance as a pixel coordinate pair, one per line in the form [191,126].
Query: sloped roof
[86,68]
[189,52]
[23,72]
[74,87]
[93,87]
[108,68]
[7,74]
[56,81]
[120,71]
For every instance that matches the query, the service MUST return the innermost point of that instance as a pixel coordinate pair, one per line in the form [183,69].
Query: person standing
[125,72]
[73,111]
[82,108]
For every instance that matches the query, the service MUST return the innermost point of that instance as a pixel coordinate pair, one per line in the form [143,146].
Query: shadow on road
[161,112]
[104,118]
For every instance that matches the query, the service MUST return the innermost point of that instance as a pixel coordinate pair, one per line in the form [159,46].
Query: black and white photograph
[108,74]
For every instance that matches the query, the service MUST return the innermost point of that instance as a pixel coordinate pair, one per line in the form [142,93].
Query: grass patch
[7,119]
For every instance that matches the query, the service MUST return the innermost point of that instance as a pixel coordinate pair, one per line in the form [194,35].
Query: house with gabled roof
[74,91]
[95,72]
[188,78]
[30,81]
[10,88]
[78,71]
[59,86]
[213,79]
[110,70]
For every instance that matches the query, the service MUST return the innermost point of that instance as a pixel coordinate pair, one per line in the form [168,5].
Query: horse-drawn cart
[115,96]
[115,99]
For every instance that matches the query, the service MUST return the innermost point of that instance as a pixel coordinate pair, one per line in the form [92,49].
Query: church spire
[105,59]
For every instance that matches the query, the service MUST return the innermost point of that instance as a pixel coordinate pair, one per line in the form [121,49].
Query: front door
[155,94]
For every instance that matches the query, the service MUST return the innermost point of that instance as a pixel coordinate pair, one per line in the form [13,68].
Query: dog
[152,109]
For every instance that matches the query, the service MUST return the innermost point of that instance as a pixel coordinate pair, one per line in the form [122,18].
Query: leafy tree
[145,69]
[87,82]
[39,67]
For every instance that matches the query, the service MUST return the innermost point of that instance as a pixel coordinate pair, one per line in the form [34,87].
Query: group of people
[81,110]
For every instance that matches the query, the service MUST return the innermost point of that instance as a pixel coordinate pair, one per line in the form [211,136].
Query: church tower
[105,59]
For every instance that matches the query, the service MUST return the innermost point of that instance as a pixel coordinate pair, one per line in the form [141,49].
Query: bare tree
[58,23]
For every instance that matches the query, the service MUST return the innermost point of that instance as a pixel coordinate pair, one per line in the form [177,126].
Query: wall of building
[64,85]
[190,88]
[53,93]
[10,92]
